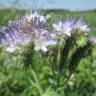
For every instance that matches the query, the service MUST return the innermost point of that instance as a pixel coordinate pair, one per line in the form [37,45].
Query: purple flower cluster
[33,28]
[29,28]
[70,26]
[41,37]
[16,34]
[81,26]
[42,40]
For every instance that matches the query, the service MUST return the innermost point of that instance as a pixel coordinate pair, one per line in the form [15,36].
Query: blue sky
[54,4]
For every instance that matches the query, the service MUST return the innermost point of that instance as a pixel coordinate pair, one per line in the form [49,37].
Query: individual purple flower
[14,40]
[42,40]
[64,27]
[14,35]
[82,26]
[9,42]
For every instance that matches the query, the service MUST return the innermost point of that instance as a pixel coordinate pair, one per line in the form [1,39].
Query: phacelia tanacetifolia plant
[62,48]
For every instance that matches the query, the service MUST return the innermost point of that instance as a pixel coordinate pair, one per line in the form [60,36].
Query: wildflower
[41,37]
[20,32]
[14,36]
[70,26]
[13,41]
[64,27]
[81,26]
[43,40]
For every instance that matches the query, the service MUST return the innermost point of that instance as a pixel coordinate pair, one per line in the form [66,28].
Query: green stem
[65,82]
[58,61]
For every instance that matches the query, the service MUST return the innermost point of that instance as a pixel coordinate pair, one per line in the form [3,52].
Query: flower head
[64,27]
[82,26]
[70,26]
[42,40]
[41,37]
[14,36]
